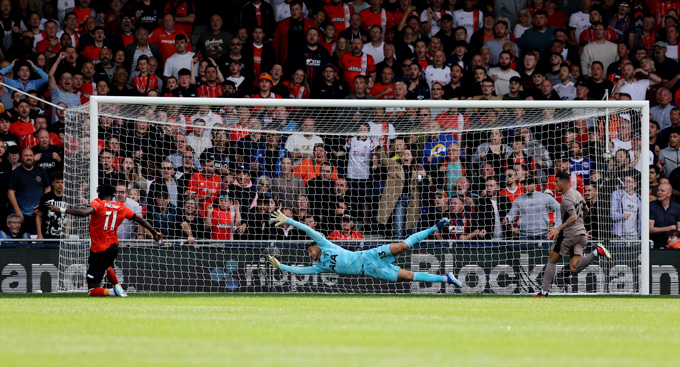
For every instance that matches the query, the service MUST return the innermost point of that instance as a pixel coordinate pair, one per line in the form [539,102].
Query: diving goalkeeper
[375,263]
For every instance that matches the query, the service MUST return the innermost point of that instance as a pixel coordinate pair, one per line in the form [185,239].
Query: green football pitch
[337,330]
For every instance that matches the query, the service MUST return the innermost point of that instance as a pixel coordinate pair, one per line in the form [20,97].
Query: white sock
[545,293]
[596,253]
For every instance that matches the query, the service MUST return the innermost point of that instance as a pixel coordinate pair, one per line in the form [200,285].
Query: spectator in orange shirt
[311,168]
[345,232]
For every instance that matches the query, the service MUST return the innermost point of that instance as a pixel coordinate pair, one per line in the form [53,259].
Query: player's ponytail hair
[105,190]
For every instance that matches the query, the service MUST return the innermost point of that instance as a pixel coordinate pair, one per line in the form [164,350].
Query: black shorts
[100,262]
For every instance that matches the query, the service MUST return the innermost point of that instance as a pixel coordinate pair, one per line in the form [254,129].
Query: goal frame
[644,276]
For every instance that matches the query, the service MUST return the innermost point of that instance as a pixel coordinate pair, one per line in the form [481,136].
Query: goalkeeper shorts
[377,263]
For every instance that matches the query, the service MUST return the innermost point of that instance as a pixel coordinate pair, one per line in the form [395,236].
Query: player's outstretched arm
[156,235]
[292,269]
[281,219]
[77,212]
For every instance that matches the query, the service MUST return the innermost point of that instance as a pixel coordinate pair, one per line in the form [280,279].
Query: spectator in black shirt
[46,155]
[108,174]
[330,87]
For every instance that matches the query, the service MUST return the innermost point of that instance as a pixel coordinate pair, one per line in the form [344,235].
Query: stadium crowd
[197,181]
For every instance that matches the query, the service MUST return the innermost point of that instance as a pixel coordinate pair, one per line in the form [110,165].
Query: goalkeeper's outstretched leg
[409,276]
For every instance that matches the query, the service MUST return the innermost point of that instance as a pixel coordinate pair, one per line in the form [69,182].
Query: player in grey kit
[570,237]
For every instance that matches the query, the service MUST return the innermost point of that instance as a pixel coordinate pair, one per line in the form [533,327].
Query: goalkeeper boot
[450,279]
[118,291]
[442,223]
[602,251]
[541,294]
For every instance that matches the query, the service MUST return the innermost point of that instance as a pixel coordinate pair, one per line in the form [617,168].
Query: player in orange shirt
[106,217]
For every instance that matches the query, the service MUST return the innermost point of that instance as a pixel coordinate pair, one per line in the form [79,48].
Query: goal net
[207,172]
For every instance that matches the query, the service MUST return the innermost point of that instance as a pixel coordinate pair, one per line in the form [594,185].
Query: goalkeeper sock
[100,292]
[417,237]
[111,276]
[548,275]
[585,261]
[427,277]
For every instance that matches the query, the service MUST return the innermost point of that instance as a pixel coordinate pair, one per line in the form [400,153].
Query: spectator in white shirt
[181,59]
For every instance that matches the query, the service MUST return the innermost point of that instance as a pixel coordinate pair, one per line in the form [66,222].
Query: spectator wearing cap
[539,36]
[265,82]
[291,32]
[330,87]
[25,80]
[446,33]
[666,68]
[501,37]
[140,47]
[346,232]
[582,91]
[531,211]
[164,37]
[163,216]
[181,59]
[311,57]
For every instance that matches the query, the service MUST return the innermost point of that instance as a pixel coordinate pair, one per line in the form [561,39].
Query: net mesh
[207,177]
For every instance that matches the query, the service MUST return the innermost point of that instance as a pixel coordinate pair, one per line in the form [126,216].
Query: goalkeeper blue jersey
[334,259]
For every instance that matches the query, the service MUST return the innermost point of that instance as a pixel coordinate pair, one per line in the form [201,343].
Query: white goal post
[497,261]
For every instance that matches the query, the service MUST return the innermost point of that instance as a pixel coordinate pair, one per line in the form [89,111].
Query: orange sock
[111,276]
[100,292]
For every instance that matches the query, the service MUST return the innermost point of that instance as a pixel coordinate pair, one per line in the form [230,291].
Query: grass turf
[337,330]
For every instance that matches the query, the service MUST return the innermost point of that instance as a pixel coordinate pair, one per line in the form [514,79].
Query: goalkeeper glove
[272,260]
[279,218]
